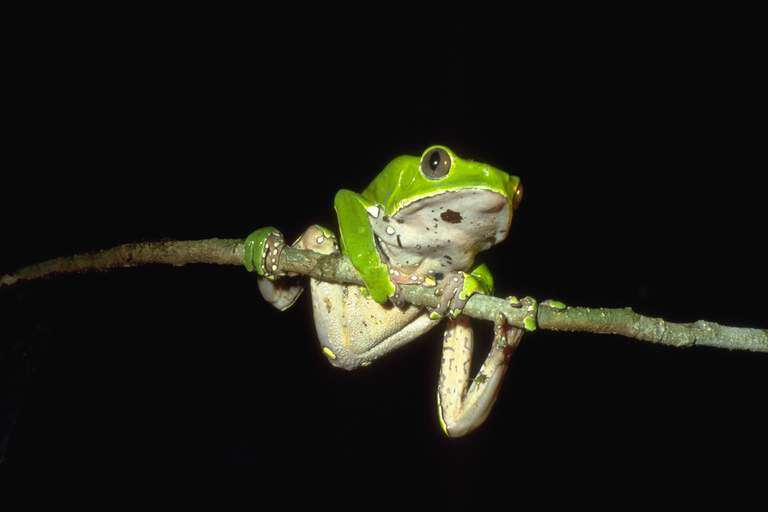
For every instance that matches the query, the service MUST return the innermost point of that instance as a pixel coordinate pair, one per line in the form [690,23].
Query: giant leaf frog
[421,221]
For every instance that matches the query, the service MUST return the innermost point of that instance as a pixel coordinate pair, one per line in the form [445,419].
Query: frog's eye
[436,164]
[518,196]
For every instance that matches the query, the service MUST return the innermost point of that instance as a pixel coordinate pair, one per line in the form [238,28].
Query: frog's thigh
[354,330]
[463,406]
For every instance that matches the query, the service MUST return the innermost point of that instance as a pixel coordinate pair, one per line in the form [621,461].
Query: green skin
[401,184]
[422,221]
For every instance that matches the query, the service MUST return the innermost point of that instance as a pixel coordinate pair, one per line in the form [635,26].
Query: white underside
[443,232]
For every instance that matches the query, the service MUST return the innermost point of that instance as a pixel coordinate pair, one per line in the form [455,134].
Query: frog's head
[440,170]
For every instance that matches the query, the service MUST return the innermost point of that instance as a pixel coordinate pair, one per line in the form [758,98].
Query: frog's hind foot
[263,249]
[464,403]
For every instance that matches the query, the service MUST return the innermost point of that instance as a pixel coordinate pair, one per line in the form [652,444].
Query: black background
[641,150]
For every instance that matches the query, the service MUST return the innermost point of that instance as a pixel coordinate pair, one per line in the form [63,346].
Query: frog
[422,221]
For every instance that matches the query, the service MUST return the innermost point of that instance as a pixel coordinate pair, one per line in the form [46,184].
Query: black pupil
[434,160]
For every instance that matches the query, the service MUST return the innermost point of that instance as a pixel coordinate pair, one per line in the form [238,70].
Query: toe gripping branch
[262,250]
[531,308]
[454,291]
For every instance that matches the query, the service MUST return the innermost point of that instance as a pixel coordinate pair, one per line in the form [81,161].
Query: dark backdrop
[642,164]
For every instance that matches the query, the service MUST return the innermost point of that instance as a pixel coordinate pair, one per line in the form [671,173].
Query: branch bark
[338,269]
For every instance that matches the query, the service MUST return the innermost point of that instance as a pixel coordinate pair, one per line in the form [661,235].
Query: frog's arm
[479,280]
[484,279]
[358,244]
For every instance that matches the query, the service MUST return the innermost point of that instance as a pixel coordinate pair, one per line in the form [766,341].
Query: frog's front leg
[359,244]
[463,406]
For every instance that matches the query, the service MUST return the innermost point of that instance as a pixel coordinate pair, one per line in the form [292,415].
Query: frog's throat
[404,203]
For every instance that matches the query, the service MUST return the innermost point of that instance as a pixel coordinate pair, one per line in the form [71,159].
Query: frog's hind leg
[462,405]
[354,330]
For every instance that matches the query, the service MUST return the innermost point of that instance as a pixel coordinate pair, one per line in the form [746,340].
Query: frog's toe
[452,291]
[262,250]
[318,239]
[500,329]
[531,308]
[505,335]
[532,312]
[397,298]
[398,277]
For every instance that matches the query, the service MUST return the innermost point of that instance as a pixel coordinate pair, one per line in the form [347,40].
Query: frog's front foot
[397,298]
[398,279]
[454,291]
[262,250]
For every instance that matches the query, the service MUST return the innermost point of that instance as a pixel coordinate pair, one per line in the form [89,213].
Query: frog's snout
[515,191]
[518,197]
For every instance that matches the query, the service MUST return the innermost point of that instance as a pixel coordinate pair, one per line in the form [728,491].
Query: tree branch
[177,253]
[338,269]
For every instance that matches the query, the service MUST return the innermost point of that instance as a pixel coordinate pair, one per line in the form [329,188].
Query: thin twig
[214,250]
[338,269]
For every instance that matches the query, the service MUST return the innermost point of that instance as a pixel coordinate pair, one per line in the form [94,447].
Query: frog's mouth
[497,199]
[495,208]
[476,201]
[467,215]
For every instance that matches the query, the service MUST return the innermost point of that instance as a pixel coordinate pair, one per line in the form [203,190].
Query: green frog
[422,220]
